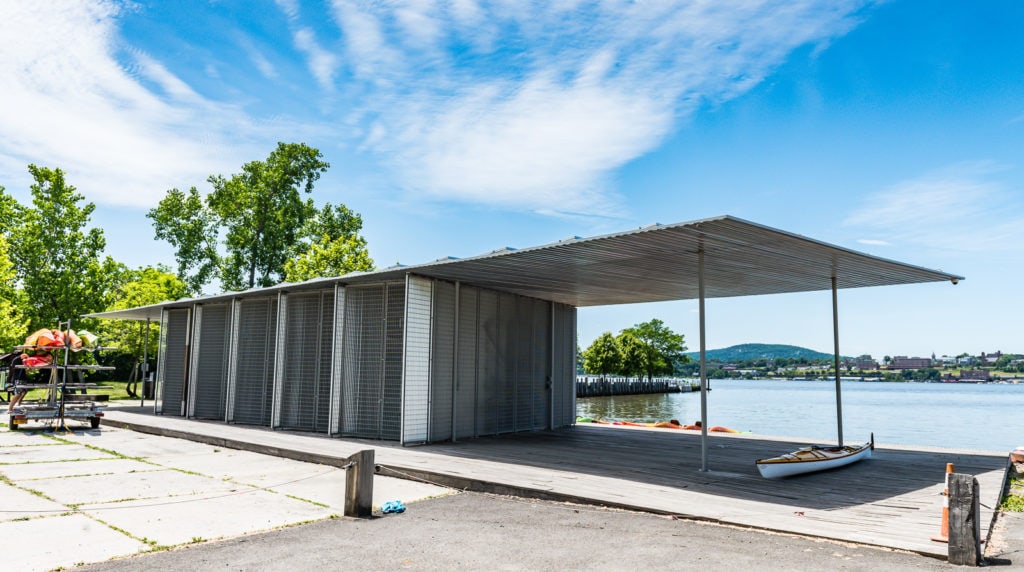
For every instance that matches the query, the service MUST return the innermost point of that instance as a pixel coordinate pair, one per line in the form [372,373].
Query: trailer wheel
[12,425]
[94,422]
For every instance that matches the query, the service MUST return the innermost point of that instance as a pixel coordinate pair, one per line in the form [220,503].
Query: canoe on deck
[814,458]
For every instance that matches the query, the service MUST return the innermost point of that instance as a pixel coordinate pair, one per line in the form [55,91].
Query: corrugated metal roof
[649,264]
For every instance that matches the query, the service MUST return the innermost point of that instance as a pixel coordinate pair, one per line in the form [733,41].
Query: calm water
[967,416]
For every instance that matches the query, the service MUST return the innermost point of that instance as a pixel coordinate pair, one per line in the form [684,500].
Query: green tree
[13,325]
[634,354]
[264,213]
[269,231]
[334,246]
[58,260]
[191,228]
[141,287]
[602,356]
[661,347]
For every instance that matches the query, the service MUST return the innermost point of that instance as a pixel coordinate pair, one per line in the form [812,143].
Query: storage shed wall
[307,351]
[211,357]
[253,388]
[172,369]
[481,362]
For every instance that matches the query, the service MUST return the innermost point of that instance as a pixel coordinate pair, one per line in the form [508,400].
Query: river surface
[987,417]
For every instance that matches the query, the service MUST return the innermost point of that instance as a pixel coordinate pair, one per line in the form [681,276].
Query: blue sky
[458,127]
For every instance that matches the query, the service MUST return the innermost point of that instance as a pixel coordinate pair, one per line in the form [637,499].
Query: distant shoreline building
[904,362]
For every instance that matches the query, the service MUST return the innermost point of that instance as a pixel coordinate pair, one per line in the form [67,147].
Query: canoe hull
[813,459]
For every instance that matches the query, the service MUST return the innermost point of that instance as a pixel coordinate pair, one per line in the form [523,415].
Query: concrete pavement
[90,495]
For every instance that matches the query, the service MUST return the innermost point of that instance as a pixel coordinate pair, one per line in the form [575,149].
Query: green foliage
[13,325]
[330,257]
[646,349]
[602,356]
[661,347]
[58,260]
[141,287]
[749,352]
[270,232]
[633,355]
[1014,501]
[263,211]
[191,228]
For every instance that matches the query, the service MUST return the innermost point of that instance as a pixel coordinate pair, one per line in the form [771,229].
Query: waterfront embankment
[592,386]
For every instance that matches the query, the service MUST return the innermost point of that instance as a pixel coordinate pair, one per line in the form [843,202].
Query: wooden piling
[359,485]
[964,520]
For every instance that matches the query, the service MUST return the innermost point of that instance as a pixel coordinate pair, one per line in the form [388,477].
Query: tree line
[254,228]
[647,349]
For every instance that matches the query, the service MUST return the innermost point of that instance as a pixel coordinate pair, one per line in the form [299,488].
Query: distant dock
[595,386]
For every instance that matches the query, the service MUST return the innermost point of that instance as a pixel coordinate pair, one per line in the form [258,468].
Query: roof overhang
[650,264]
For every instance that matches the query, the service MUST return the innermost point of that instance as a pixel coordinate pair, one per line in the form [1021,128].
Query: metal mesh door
[306,391]
[174,362]
[363,362]
[391,406]
[465,391]
[442,355]
[487,359]
[255,363]
[212,361]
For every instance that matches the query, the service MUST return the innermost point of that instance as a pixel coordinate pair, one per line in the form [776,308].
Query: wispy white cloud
[526,105]
[964,207]
[534,105]
[125,132]
[321,62]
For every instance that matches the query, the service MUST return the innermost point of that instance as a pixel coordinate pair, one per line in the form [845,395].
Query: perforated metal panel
[564,379]
[364,361]
[257,326]
[505,410]
[373,347]
[416,383]
[211,362]
[540,375]
[487,373]
[466,379]
[391,410]
[174,358]
[442,361]
[306,385]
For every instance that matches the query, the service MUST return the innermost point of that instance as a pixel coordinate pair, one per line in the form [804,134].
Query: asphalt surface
[470,531]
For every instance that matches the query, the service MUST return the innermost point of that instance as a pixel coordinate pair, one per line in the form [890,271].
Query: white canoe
[814,458]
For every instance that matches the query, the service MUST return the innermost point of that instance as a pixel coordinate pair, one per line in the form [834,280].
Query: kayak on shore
[670,424]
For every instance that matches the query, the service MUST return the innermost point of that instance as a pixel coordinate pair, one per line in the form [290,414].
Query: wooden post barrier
[964,520]
[359,485]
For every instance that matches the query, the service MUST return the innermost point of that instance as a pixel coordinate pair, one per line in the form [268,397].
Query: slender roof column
[703,367]
[835,338]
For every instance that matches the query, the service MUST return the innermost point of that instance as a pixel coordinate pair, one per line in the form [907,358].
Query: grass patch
[1014,501]
[117,390]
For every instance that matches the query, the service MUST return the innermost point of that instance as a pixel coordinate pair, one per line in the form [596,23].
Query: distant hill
[760,351]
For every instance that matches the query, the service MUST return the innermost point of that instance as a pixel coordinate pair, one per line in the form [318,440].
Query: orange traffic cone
[944,532]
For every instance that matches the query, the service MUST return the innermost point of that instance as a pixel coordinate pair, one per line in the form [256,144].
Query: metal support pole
[835,337]
[703,368]
[359,485]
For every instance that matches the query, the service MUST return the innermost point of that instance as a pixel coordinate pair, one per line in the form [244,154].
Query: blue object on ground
[394,506]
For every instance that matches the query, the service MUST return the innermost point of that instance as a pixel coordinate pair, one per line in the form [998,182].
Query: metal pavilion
[474,346]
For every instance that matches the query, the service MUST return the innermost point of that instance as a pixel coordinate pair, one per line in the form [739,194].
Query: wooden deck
[892,500]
